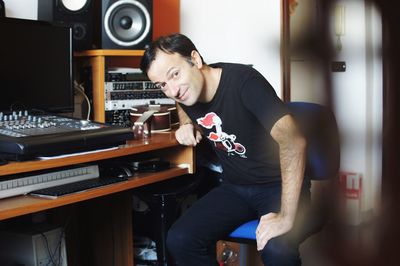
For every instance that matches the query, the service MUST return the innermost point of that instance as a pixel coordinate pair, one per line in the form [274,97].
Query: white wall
[236,31]
[21,8]
[357,92]
[358,98]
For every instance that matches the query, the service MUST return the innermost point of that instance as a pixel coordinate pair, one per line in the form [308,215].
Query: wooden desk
[107,243]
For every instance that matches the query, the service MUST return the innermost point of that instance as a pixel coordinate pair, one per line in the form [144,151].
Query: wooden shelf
[109,52]
[21,205]
[156,142]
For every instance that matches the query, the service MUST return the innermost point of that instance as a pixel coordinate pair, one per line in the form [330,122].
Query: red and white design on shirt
[221,139]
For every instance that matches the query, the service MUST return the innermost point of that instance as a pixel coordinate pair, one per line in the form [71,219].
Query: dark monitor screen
[35,66]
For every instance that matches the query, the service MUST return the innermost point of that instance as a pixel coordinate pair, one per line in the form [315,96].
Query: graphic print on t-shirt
[222,140]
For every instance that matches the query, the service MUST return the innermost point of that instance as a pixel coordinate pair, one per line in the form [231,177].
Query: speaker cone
[127,22]
[74,6]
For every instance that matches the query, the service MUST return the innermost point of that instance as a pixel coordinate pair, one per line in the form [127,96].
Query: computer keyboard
[80,186]
[20,184]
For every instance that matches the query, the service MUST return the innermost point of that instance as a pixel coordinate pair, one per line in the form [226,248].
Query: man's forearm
[183,117]
[292,159]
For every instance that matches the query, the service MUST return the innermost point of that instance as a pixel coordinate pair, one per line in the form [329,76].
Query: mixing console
[23,134]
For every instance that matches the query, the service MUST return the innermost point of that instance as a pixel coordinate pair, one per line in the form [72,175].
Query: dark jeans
[191,239]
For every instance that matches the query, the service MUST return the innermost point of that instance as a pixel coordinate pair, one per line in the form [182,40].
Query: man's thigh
[215,215]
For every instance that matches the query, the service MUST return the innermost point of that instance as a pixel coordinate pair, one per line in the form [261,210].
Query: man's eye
[160,85]
[175,74]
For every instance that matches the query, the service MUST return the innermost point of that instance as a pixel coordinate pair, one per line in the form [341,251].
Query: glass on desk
[142,124]
[142,130]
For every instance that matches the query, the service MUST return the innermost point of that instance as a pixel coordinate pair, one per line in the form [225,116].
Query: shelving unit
[99,60]
[166,20]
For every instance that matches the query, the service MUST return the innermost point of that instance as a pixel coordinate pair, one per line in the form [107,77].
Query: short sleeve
[260,99]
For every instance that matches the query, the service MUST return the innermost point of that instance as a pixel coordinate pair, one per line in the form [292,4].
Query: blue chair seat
[245,231]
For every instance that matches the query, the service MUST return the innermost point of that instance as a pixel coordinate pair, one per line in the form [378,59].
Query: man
[257,143]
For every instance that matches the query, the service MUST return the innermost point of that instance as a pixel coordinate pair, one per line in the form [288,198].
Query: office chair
[318,124]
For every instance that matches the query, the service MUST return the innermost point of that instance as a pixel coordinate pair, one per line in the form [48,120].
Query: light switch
[338,66]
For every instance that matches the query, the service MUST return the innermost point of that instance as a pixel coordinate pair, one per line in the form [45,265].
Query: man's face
[178,78]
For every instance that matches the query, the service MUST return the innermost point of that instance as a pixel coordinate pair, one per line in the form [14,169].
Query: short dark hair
[174,43]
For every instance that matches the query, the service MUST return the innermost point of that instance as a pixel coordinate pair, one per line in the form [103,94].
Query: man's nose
[173,89]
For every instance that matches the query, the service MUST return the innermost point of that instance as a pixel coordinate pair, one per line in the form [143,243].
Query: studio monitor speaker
[123,24]
[77,14]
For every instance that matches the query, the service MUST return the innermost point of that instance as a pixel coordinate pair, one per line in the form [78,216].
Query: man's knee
[176,239]
[279,251]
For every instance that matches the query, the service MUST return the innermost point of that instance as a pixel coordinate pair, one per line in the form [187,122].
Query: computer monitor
[36,71]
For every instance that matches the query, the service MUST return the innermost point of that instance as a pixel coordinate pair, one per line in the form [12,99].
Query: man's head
[174,43]
[174,65]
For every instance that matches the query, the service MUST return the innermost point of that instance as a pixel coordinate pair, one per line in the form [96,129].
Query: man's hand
[188,135]
[271,225]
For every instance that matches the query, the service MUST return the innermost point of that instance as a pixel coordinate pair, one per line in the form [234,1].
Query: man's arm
[187,134]
[183,117]
[292,159]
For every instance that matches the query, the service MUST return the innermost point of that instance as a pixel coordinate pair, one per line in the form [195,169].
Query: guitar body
[162,117]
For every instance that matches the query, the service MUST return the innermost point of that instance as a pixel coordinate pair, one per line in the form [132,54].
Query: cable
[81,89]
[55,253]
[48,249]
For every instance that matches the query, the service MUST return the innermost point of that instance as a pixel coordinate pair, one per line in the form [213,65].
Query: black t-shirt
[238,121]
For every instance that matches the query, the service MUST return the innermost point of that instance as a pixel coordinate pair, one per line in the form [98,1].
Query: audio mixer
[24,135]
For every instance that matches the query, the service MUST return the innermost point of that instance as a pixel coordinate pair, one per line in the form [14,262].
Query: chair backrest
[318,124]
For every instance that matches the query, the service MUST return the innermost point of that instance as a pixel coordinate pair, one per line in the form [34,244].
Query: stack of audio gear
[127,88]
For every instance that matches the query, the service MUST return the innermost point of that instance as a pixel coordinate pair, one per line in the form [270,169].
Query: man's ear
[196,59]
